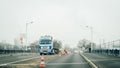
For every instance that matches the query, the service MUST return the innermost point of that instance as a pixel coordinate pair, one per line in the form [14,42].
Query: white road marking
[48,64]
[21,64]
[18,61]
[63,63]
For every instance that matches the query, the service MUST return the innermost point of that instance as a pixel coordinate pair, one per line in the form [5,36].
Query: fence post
[119,46]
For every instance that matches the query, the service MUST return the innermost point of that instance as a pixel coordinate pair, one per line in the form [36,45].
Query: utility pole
[91,28]
[26,33]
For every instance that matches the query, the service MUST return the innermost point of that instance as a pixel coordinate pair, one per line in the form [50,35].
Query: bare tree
[84,44]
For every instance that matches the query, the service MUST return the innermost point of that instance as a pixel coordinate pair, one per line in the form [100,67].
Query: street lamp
[26,32]
[91,28]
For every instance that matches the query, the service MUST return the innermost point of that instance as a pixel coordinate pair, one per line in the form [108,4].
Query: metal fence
[14,51]
[109,48]
[6,48]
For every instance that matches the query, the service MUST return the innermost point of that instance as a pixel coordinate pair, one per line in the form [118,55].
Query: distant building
[20,40]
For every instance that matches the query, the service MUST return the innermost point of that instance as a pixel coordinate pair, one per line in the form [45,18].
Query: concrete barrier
[90,63]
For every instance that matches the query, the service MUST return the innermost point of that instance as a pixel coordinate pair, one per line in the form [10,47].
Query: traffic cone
[42,63]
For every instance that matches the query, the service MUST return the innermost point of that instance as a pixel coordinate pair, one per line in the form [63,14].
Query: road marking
[63,63]
[21,64]
[18,61]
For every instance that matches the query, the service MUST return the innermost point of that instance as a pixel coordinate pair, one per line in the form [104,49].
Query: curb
[90,63]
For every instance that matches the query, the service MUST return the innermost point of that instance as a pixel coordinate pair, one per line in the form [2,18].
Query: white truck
[46,45]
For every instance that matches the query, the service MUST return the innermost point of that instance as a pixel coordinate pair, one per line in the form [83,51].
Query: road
[16,58]
[23,61]
[69,61]
[53,61]
[104,61]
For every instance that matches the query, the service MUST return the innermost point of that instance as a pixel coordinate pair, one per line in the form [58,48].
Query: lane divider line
[63,63]
[89,61]
[21,64]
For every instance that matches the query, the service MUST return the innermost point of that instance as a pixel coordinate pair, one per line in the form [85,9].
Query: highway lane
[26,61]
[69,61]
[104,61]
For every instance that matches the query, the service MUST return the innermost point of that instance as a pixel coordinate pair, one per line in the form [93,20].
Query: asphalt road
[104,61]
[15,58]
[23,61]
[69,61]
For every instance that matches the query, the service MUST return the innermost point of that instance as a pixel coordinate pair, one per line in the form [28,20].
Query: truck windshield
[45,42]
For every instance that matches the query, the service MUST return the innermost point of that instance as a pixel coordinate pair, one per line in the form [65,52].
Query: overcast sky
[65,20]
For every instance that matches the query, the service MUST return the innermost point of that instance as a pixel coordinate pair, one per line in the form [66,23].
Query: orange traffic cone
[42,63]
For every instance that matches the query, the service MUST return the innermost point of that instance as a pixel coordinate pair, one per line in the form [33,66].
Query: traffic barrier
[42,63]
[89,61]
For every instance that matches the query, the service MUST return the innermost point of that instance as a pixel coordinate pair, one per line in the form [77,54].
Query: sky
[65,20]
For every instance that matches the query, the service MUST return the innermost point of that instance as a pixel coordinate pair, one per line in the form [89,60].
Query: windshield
[66,33]
[45,42]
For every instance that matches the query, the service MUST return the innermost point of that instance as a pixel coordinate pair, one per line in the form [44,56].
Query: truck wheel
[40,53]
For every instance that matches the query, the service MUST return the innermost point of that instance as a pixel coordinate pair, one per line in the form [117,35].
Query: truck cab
[46,45]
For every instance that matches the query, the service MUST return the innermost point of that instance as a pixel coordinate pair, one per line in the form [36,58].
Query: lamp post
[26,32]
[91,28]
